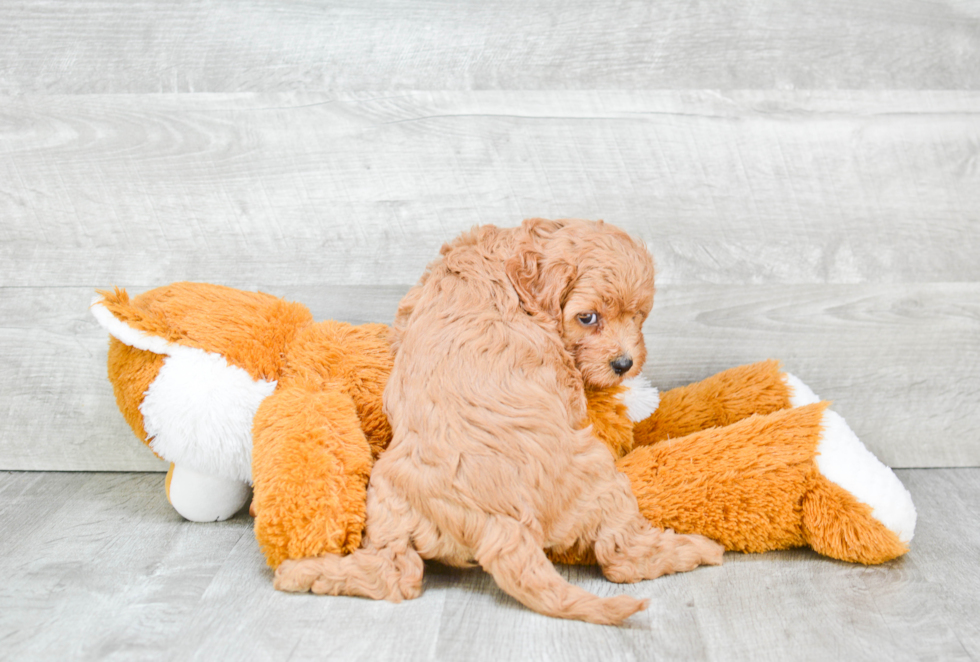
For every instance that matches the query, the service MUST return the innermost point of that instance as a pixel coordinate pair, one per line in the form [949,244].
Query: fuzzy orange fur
[607,416]
[315,440]
[250,329]
[131,371]
[753,484]
[839,526]
[318,459]
[688,483]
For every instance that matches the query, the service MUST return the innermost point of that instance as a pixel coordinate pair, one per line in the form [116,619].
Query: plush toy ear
[542,281]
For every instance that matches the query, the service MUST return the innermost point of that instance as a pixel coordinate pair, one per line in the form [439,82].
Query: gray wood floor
[98,566]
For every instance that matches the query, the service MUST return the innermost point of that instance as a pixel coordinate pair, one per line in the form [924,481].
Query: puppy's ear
[555,284]
[542,285]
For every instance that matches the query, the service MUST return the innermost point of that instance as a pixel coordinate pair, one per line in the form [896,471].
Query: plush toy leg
[310,467]
[722,399]
[201,497]
[791,478]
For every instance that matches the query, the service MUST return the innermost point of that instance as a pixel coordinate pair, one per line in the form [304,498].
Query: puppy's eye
[588,319]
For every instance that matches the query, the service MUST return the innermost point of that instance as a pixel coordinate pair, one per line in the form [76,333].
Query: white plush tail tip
[641,399]
[844,460]
[799,393]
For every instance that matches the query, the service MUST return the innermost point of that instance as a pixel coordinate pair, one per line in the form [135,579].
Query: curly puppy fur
[492,460]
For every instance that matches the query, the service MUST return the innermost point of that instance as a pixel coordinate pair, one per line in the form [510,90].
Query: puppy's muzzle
[621,364]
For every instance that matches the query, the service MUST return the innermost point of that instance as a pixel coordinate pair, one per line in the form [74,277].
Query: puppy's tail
[522,570]
[391,573]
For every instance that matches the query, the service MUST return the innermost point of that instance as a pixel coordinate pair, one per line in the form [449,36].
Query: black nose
[621,364]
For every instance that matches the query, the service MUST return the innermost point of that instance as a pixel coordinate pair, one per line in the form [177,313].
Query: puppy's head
[596,284]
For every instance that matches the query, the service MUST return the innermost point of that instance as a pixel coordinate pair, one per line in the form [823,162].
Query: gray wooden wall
[807,175]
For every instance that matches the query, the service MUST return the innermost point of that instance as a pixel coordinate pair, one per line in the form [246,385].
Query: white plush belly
[199,410]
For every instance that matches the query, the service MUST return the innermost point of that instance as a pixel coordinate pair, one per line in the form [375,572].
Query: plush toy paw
[201,497]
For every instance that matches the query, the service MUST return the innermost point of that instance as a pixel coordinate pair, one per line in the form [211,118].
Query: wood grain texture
[958,596]
[141,46]
[102,568]
[268,190]
[805,175]
[901,362]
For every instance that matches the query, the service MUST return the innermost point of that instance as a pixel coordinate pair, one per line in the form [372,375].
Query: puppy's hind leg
[381,574]
[630,550]
[387,567]
[517,563]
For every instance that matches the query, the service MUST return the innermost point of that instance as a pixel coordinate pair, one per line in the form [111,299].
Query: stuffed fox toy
[239,388]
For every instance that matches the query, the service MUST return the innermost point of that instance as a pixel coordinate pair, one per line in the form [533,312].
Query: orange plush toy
[236,388]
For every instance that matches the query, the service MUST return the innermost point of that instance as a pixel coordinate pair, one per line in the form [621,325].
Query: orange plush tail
[795,477]
[722,399]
